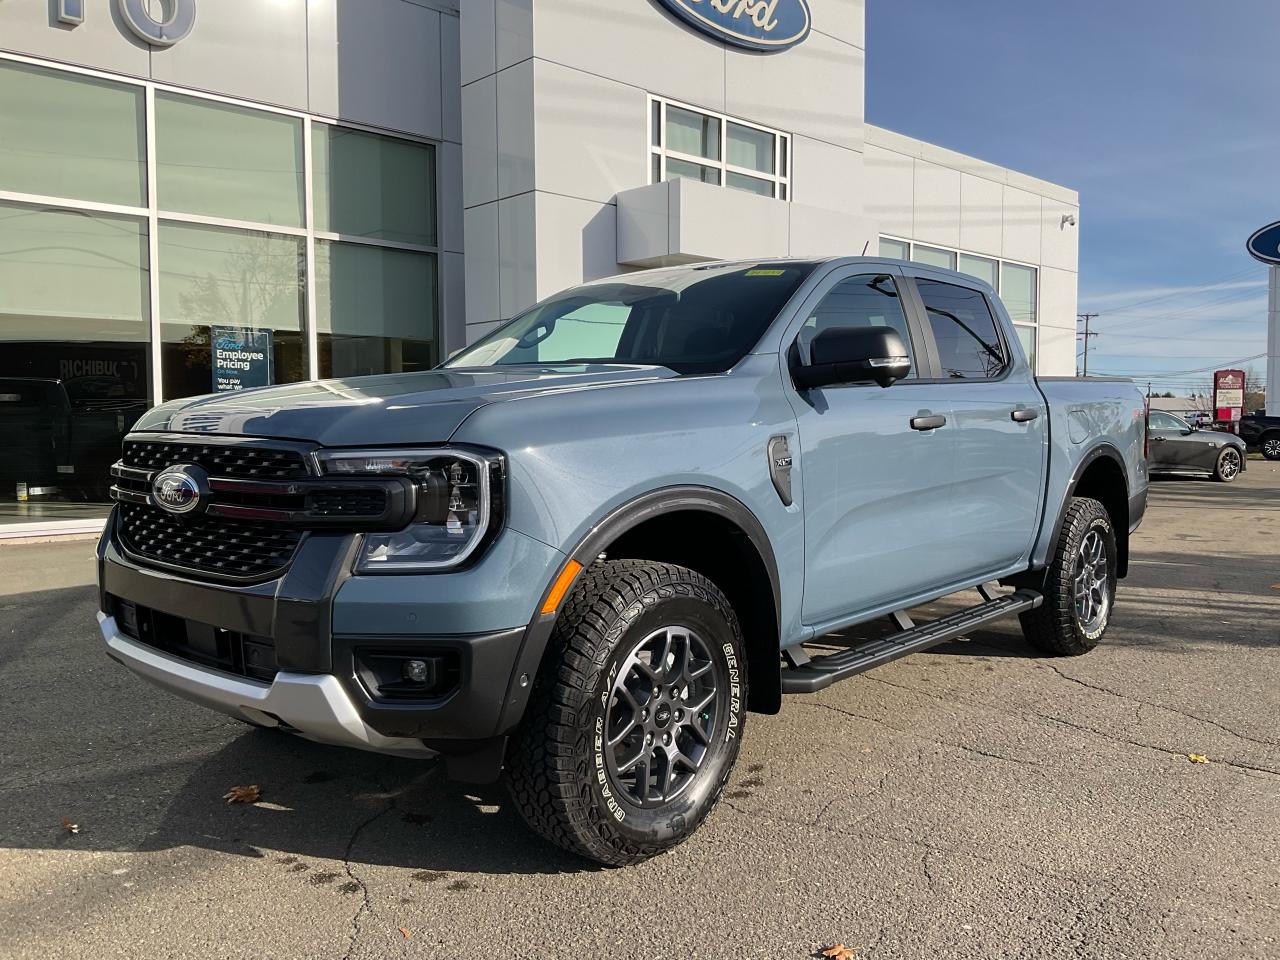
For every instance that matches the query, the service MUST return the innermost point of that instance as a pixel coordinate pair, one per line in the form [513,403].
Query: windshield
[700,319]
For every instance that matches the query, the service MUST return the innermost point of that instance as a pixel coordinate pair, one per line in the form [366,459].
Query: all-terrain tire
[562,773]
[1228,465]
[1057,626]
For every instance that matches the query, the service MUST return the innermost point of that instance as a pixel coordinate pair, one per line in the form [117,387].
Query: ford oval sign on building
[1265,244]
[753,24]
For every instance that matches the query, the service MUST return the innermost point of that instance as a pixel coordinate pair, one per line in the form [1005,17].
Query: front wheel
[1080,583]
[636,716]
[1228,466]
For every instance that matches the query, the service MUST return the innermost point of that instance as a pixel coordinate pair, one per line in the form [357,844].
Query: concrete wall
[555,126]
[926,193]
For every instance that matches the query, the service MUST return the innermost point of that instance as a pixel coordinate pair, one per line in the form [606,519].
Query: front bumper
[317,707]
[323,624]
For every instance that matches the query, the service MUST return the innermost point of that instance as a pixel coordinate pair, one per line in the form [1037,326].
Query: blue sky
[1164,115]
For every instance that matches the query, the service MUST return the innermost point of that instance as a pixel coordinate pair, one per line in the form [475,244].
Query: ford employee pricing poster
[241,358]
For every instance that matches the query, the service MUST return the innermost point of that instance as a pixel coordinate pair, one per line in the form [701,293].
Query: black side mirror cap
[853,355]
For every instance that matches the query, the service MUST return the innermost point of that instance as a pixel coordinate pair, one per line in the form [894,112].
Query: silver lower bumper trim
[314,707]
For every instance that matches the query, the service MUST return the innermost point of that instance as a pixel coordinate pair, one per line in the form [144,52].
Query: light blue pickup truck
[579,552]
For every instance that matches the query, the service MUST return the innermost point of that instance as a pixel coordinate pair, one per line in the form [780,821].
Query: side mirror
[853,355]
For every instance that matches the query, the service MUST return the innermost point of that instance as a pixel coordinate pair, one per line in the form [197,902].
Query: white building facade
[248,193]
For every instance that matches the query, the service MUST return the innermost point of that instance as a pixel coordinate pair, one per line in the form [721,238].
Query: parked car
[1261,432]
[1177,448]
[581,550]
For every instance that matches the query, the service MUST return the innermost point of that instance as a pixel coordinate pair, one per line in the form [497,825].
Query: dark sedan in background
[1177,448]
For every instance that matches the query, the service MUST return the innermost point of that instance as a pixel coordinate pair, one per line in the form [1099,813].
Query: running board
[821,672]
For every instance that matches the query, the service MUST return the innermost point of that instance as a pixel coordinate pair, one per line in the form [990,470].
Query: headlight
[459,505]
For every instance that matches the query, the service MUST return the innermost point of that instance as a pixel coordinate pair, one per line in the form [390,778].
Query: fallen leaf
[1197,758]
[70,827]
[243,794]
[839,952]
[404,932]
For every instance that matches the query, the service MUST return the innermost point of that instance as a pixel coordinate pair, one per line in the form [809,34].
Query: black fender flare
[1099,451]
[613,525]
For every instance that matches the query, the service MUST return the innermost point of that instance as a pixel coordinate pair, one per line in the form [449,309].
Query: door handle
[928,423]
[1024,416]
[1158,439]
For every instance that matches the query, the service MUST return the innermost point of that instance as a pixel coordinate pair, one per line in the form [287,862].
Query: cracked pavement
[973,801]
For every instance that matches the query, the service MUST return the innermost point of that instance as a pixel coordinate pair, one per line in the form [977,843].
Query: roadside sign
[1264,245]
[1228,395]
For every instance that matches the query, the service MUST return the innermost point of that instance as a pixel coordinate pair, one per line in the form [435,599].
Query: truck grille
[215,545]
[221,460]
[262,500]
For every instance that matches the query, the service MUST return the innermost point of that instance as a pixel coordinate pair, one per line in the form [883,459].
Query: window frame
[1001,263]
[1010,361]
[783,160]
[153,216]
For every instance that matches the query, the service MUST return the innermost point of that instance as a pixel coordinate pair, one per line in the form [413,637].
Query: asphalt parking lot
[973,801]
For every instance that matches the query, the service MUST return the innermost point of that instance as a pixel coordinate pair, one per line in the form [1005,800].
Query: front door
[876,490]
[1174,446]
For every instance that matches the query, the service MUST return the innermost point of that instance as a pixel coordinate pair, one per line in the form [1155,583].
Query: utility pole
[1086,317]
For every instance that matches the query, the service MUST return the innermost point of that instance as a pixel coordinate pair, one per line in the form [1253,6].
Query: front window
[690,319]
[696,145]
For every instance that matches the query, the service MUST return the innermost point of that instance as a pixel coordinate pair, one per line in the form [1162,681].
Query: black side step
[821,672]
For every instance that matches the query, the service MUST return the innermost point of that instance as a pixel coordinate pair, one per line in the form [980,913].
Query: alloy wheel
[663,716]
[1229,465]
[1091,585]
[1271,448]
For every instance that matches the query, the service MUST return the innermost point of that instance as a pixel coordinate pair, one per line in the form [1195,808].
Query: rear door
[877,503]
[1001,426]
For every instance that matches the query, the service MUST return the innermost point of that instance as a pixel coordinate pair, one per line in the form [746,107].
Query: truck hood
[402,408]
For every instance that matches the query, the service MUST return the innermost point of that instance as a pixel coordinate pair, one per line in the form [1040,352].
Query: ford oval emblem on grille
[181,488]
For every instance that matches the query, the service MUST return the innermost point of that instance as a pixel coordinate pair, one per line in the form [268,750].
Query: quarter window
[711,148]
[867,300]
[969,346]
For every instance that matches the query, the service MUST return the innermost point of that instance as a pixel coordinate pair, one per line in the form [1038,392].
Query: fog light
[417,671]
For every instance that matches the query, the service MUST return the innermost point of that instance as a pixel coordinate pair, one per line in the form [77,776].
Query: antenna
[866,246]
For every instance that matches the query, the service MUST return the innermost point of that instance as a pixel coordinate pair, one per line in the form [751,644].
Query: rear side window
[968,343]
[868,300]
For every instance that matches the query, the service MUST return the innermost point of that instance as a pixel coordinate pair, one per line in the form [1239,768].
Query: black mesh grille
[229,548]
[220,460]
[347,503]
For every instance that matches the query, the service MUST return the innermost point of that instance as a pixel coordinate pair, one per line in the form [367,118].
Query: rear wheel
[1228,466]
[635,719]
[1271,446]
[1080,583]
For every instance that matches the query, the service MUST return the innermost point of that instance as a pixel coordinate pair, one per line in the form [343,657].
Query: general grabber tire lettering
[636,715]
[1080,583]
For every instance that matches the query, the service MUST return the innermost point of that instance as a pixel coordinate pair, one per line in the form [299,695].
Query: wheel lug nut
[679,715]
[644,714]
[648,739]
[656,691]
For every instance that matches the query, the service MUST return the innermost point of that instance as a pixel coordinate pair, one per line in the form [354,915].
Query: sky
[1165,116]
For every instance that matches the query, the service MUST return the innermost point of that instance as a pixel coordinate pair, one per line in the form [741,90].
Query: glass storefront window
[691,171]
[63,135]
[983,268]
[895,249]
[1027,336]
[933,257]
[750,148]
[695,134]
[241,290]
[1018,291]
[375,309]
[74,375]
[373,186]
[218,160]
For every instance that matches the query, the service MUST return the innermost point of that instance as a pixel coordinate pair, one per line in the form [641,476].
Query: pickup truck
[581,550]
[1261,432]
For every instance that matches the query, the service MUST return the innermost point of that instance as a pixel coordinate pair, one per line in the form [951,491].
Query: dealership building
[249,192]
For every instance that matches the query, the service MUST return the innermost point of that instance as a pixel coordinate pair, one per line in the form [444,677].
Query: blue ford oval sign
[1265,244]
[753,24]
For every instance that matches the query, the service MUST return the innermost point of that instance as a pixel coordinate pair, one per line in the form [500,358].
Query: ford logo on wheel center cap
[181,488]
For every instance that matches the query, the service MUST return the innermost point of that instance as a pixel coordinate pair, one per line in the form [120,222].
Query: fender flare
[1101,450]
[614,524]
